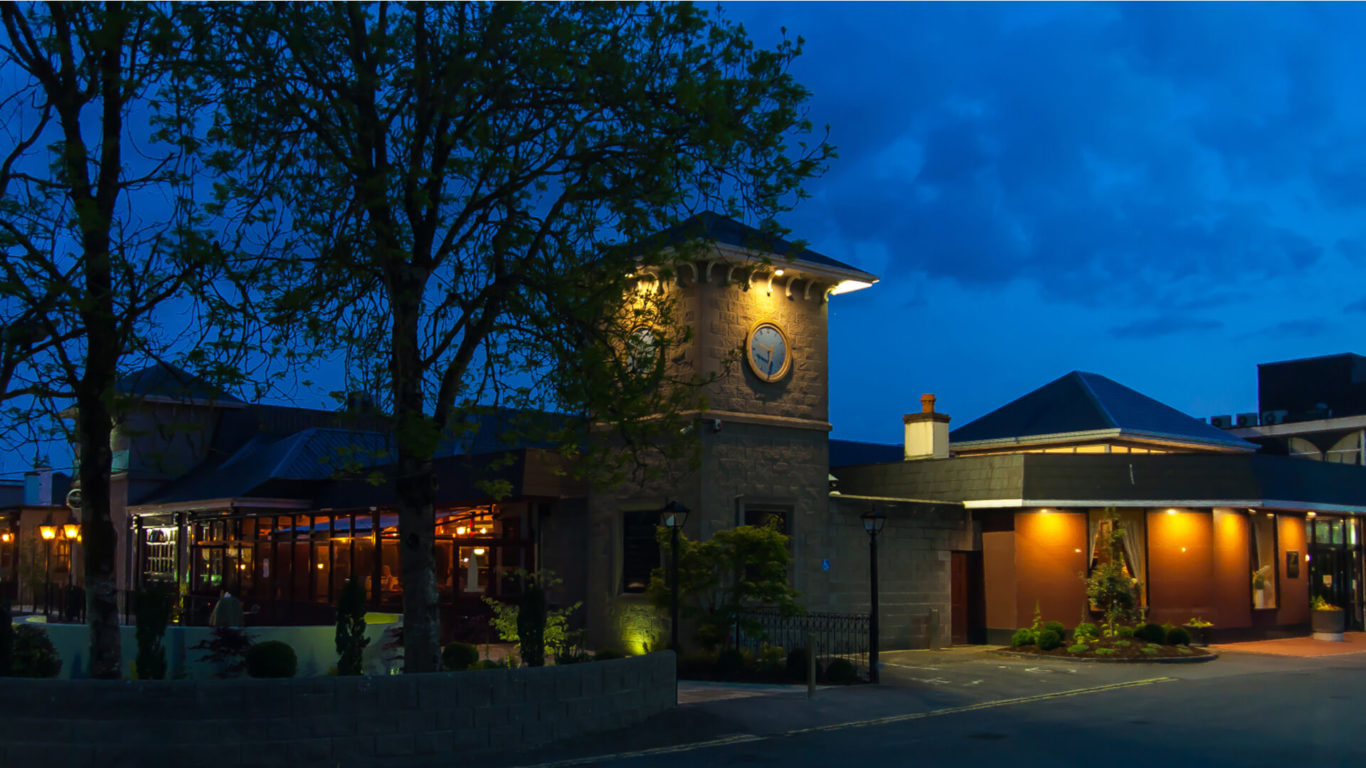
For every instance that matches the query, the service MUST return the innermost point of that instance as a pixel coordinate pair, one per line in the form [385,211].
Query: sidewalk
[1302,647]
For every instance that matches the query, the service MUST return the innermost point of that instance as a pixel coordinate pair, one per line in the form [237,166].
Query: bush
[1085,631]
[840,672]
[226,646]
[771,658]
[1178,636]
[350,639]
[153,608]
[6,639]
[797,662]
[1056,626]
[34,653]
[1022,637]
[730,665]
[490,664]
[1124,631]
[1048,639]
[272,658]
[458,656]
[1150,649]
[1153,633]
[1078,648]
[531,619]
[572,657]
[607,654]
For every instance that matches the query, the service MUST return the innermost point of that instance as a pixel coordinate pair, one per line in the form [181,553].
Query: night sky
[1163,194]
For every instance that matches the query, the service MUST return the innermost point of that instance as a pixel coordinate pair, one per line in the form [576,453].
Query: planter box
[1199,635]
[1329,625]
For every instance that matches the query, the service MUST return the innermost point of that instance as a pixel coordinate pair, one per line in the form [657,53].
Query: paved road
[965,708]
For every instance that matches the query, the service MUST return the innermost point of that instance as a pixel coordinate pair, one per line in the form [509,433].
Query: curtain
[1133,549]
[1092,528]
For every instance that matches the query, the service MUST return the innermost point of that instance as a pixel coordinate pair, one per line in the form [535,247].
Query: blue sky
[1164,194]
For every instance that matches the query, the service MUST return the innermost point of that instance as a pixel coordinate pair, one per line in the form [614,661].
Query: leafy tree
[462,194]
[718,579]
[530,623]
[107,258]
[1109,586]
[350,636]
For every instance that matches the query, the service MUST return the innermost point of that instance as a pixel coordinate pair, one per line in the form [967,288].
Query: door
[968,599]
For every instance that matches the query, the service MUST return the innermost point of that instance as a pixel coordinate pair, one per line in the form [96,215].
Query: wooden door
[967,607]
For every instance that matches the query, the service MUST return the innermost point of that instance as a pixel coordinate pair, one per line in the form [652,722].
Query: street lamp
[48,530]
[72,529]
[673,516]
[872,523]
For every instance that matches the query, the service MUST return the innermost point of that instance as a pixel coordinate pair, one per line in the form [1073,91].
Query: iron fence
[837,635]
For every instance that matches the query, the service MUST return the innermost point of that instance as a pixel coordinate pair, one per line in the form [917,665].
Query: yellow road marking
[747,738]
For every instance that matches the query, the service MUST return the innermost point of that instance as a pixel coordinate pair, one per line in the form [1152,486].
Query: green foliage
[608,654]
[1085,631]
[1124,631]
[840,672]
[350,636]
[798,664]
[1022,637]
[730,664]
[572,657]
[1184,649]
[272,658]
[1106,651]
[1122,643]
[457,656]
[1108,587]
[1153,633]
[6,639]
[1037,624]
[1178,636]
[1150,649]
[1048,639]
[1078,648]
[1320,604]
[153,607]
[34,653]
[555,634]
[772,658]
[531,621]
[1056,626]
[737,568]
[226,647]
[491,664]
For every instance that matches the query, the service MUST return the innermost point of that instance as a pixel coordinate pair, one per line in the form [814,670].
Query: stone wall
[333,721]
[913,567]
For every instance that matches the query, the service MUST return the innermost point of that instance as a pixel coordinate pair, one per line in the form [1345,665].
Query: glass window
[639,548]
[768,515]
[1263,528]
[1132,529]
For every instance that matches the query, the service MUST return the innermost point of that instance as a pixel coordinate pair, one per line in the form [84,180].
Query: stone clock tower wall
[763,448]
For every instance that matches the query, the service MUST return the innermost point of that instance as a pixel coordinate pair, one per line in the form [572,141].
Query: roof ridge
[1095,398]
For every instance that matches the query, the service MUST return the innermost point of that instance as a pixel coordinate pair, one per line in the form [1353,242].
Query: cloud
[1163,325]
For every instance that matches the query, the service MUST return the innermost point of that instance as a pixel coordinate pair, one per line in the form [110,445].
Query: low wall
[341,721]
[315,647]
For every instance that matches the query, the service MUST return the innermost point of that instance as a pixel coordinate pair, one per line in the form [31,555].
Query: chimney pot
[927,403]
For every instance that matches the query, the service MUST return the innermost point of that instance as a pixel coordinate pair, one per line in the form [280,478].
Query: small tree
[153,613]
[1109,586]
[719,578]
[553,625]
[351,639]
[531,618]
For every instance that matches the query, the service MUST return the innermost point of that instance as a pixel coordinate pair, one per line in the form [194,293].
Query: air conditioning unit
[1247,419]
[1222,422]
[1274,417]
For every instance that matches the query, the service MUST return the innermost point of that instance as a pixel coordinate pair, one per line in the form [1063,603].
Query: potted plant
[1259,578]
[1199,629]
[1329,621]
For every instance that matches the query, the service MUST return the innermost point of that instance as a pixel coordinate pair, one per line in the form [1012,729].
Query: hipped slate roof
[713,227]
[171,383]
[847,453]
[1089,406]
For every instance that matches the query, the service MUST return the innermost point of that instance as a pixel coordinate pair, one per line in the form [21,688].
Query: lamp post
[673,516]
[872,523]
[48,530]
[72,530]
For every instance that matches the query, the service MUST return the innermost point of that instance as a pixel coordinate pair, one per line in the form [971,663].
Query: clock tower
[758,309]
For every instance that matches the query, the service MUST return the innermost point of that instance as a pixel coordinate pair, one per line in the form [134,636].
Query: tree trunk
[94,426]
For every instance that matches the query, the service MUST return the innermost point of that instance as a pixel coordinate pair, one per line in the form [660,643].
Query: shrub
[840,672]
[696,666]
[771,657]
[1022,637]
[730,665]
[458,656]
[1056,626]
[153,607]
[1123,643]
[350,637]
[1078,648]
[1124,631]
[1178,636]
[6,639]
[34,653]
[1048,639]
[1151,649]
[227,646]
[573,657]
[1085,630]
[490,664]
[1106,651]
[797,662]
[607,654]
[1153,633]
[273,658]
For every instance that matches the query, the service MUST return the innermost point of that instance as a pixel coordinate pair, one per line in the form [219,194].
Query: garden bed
[1120,650]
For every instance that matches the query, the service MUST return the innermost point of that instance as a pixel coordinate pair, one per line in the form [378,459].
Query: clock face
[769,355]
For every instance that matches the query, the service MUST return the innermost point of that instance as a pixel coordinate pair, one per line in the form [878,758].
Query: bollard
[934,629]
[810,664]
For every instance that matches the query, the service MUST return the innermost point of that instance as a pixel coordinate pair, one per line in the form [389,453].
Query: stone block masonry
[333,721]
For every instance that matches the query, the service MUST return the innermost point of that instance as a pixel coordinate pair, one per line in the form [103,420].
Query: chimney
[927,432]
[38,486]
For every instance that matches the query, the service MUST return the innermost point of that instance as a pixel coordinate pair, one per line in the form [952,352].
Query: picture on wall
[1292,564]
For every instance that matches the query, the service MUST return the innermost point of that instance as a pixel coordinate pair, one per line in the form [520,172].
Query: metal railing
[837,635]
